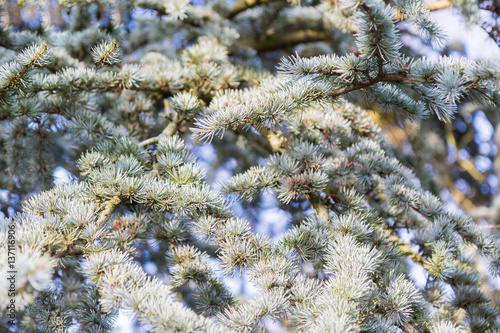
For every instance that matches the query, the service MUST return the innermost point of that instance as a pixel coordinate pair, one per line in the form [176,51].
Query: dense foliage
[179,122]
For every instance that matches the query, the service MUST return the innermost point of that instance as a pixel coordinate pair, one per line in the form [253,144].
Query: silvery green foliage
[130,125]
[106,53]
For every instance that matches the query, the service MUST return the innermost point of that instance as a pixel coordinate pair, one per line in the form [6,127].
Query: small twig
[242,5]
[68,251]
[110,207]
[465,164]
[406,249]
[170,130]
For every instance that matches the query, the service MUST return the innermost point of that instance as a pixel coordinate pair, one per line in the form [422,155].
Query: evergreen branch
[391,78]
[150,299]
[106,52]
[72,249]
[417,13]
[28,64]
[91,87]
[431,6]
[375,29]
[129,77]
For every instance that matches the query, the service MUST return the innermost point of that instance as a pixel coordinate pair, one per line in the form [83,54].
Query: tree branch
[242,5]
[170,130]
[406,250]
[110,207]
[438,4]
[279,41]
[68,251]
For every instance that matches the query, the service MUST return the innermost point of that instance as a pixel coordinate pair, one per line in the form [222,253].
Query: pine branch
[106,52]
[31,61]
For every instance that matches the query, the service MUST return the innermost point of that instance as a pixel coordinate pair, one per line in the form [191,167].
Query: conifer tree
[179,120]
